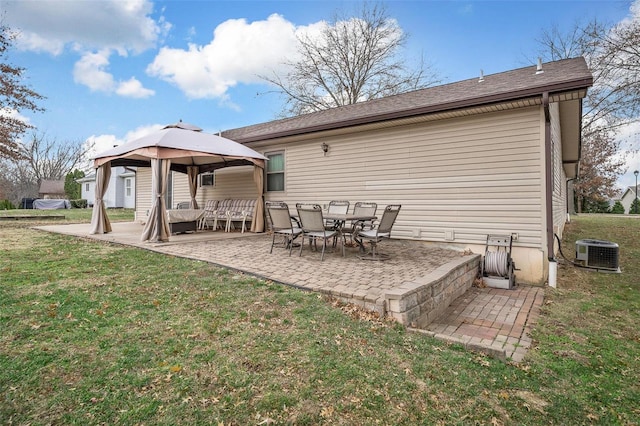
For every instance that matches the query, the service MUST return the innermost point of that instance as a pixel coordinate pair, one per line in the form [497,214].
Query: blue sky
[113,70]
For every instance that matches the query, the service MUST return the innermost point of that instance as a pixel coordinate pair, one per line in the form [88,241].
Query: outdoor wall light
[325,148]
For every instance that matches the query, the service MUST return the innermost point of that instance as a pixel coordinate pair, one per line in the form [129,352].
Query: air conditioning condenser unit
[597,254]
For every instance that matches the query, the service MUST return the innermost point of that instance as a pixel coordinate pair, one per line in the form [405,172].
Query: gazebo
[179,147]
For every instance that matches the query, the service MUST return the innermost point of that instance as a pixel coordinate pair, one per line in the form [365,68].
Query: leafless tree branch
[355,59]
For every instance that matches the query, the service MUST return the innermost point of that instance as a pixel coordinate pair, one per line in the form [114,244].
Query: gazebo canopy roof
[185,145]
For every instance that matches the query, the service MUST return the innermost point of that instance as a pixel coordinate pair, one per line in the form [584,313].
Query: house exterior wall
[129,199]
[143,194]
[115,195]
[457,179]
[144,198]
[232,182]
[89,193]
[559,192]
[117,191]
[180,189]
[627,199]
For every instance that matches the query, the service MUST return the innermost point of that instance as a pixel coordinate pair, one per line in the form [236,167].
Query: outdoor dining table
[340,219]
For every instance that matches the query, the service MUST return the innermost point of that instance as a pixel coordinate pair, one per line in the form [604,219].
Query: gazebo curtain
[192,173]
[100,223]
[157,227]
[257,222]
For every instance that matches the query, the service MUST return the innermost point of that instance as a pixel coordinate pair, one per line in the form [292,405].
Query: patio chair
[361,208]
[313,226]
[208,219]
[242,213]
[282,224]
[183,205]
[336,207]
[379,232]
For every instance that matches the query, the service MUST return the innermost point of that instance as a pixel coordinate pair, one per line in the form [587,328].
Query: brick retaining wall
[419,302]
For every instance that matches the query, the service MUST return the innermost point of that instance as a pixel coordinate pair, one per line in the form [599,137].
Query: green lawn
[94,333]
[61,216]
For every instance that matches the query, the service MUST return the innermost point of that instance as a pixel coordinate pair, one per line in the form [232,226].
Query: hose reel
[497,266]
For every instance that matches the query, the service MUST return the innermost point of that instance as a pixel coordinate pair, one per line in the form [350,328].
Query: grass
[95,333]
[20,217]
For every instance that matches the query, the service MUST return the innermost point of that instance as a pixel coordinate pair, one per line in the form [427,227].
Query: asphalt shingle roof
[558,76]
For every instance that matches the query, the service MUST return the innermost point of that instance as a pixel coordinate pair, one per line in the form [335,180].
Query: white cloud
[141,131]
[101,143]
[90,71]
[95,29]
[132,88]
[36,43]
[97,144]
[238,53]
[116,24]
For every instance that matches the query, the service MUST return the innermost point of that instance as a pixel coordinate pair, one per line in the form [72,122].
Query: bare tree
[17,181]
[14,97]
[352,60]
[613,56]
[49,159]
[39,159]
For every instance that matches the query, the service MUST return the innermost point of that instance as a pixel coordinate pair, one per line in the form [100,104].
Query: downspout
[566,191]
[553,265]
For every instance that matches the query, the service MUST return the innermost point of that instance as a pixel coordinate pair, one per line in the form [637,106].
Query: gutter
[548,176]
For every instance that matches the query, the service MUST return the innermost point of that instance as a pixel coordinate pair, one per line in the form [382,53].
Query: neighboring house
[617,196]
[489,155]
[627,198]
[52,190]
[121,191]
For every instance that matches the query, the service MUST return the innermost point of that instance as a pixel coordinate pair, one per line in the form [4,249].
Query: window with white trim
[207,179]
[275,171]
[127,186]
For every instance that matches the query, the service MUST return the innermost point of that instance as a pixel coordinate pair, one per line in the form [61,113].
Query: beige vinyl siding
[180,189]
[231,182]
[144,191]
[473,175]
[559,195]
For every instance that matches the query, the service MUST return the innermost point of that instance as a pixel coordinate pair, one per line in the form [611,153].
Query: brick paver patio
[492,320]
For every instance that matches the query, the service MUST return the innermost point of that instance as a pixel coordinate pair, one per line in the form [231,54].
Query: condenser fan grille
[598,254]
